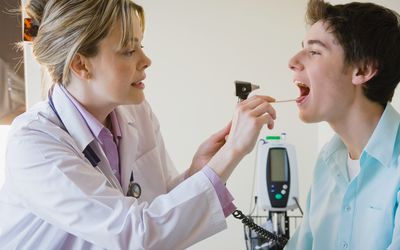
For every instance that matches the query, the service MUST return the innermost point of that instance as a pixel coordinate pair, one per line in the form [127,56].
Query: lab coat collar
[78,129]
[127,145]
[72,119]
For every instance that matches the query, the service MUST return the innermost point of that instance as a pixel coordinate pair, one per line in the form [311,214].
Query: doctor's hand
[208,149]
[248,119]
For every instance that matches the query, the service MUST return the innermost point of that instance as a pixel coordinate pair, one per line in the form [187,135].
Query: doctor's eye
[132,51]
[129,52]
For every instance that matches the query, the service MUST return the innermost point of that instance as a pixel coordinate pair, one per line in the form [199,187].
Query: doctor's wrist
[224,162]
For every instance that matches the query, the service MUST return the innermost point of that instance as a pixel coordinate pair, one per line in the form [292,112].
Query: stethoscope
[134,189]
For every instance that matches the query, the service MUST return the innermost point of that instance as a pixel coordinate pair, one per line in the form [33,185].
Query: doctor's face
[118,73]
[324,80]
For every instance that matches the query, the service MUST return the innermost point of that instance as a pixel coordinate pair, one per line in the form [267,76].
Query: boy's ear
[363,73]
[80,67]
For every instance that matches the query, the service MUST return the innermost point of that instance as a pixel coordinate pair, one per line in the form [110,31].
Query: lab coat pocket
[148,172]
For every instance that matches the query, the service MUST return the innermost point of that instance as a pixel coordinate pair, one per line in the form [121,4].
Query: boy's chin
[307,118]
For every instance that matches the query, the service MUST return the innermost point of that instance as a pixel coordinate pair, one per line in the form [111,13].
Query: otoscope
[243,89]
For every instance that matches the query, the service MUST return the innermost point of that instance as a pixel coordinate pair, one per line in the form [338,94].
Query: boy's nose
[295,64]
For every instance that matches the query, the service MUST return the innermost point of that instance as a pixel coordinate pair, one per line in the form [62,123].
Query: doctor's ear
[363,73]
[80,67]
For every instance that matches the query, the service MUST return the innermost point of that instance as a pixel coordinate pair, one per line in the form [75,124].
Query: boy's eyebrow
[318,42]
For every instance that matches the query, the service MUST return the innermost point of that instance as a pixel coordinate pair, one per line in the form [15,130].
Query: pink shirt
[224,196]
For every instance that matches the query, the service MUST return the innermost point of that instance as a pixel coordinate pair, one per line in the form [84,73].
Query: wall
[12,94]
[11,34]
[3,135]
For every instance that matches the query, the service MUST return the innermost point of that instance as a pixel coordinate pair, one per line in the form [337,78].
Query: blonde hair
[68,27]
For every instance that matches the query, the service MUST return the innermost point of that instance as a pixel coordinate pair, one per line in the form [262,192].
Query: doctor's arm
[57,184]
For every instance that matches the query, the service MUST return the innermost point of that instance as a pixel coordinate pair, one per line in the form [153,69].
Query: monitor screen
[278,164]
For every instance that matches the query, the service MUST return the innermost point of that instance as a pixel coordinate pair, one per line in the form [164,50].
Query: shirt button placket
[346,221]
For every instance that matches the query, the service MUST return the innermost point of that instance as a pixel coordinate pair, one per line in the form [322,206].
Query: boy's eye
[313,52]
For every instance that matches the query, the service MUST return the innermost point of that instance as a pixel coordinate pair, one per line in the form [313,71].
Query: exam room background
[198,49]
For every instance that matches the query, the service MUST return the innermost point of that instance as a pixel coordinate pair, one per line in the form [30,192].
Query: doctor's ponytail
[68,27]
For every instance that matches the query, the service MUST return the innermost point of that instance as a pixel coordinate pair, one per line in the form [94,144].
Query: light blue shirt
[360,214]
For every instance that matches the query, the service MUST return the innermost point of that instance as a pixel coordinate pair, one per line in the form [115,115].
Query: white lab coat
[53,198]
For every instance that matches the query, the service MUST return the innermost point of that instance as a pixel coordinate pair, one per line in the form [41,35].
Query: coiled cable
[279,240]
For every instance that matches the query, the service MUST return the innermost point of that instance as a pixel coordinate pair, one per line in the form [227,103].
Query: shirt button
[347,208]
[345,245]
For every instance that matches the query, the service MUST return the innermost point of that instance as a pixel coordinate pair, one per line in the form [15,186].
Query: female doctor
[87,168]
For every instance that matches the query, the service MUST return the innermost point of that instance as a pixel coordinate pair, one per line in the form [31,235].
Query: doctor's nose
[295,63]
[144,62]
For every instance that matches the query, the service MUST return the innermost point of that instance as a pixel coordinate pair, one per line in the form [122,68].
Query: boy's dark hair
[369,34]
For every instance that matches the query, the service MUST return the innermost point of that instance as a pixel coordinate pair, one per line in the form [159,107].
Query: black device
[278,177]
[243,89]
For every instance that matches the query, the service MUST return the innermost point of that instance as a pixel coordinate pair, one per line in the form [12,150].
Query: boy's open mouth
[304,91]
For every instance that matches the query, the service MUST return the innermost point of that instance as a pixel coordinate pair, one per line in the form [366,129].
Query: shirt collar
[115,125]
[380,145]
[334,145]
[93,124]
[70,117]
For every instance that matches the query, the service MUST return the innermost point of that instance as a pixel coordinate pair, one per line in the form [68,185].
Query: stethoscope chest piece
[134,189]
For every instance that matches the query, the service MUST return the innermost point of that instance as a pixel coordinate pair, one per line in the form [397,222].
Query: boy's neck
[356,126]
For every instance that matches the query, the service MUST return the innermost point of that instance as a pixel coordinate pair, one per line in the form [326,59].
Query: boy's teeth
[300,84]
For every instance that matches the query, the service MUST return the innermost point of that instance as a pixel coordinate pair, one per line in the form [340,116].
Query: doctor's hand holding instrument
[242,134]
[88,168]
